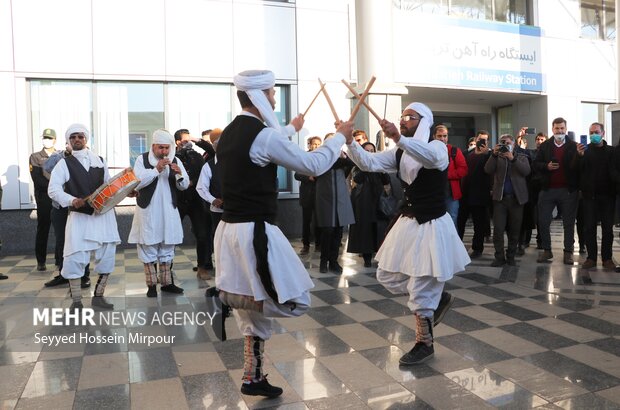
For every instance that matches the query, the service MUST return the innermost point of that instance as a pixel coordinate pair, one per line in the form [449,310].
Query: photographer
[509,193]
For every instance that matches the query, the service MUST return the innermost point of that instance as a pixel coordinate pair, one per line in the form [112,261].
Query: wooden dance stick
[313,100]
[356,95]
[329,101]
[362,98]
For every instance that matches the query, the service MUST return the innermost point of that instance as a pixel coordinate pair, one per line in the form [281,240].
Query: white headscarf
[253,82]
[162,137]
[95,161]
[424,126]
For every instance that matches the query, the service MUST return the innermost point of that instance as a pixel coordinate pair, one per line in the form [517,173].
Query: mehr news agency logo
[90,317]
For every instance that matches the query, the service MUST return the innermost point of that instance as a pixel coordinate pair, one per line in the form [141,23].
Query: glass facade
[507,11]
[123,115]
[598,19]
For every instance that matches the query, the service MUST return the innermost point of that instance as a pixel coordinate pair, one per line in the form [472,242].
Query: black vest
[249,191]
[146,194]
[215,186]
[424,199]
[82,183]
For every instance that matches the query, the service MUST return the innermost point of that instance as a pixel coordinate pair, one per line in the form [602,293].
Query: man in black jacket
[307,195]
[191,204]
[597,184]
[559,178]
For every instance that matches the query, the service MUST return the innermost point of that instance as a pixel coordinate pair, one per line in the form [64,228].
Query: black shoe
[172,288]
[419,354]
[212,291]
[41,267]
[445,303]
[76,306]
[195,268]
[85,282]
[261,388]
[56,280]
[475,254]
[335,267]
[323,267]
[498,262]
[100,302]
[520,251]
[3,276]
[152,292]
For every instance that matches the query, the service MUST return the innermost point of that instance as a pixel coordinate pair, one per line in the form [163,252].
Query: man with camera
[475,187]
[509,193]
[555,162]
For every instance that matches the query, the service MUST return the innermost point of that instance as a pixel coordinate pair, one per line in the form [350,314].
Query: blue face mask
[596,138]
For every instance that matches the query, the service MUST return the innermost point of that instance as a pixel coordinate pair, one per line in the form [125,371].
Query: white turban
[253,82]
[162,137]
[424,126]
[95,161]
[73,128]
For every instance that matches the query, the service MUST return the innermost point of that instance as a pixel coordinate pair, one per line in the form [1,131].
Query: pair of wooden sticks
[361,100]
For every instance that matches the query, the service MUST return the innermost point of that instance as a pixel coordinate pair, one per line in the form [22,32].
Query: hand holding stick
[313,100]
[362,98]
[329,101]
[356,95]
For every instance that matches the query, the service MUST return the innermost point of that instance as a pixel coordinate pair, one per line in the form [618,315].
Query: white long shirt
[271,146]
[204,184]
[159,222]
[83,232]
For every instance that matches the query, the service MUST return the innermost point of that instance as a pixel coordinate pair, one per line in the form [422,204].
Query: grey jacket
[519,169]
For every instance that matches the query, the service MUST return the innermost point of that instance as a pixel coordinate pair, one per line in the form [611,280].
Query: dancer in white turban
[422,250]
[73,179]
[258,273]
[156,226]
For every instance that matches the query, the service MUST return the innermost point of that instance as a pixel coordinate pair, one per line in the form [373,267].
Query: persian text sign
[469,53]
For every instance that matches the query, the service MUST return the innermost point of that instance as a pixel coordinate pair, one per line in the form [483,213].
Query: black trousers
[507,213]
[599,209]
[480,217]
[307,214]
[44,220]
[216,217]
[330,243]
[201,228]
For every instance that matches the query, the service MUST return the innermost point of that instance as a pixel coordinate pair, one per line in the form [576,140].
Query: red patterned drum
[108,195]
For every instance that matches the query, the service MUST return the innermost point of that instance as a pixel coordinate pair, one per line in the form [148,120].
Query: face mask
[471,148]
[187,145]
[48,143]
[559,137]
[596,138]
[523,146]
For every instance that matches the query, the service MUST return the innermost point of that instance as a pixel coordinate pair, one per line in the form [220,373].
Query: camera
[503,148]
[481,143]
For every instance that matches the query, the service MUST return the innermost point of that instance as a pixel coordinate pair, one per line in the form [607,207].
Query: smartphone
[571,135]
[555,161]
[530,131]
[584,140]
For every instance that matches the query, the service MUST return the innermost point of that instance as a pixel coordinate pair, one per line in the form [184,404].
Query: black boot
[100,302]
[172,288]
[261,388]
[152,292]
[445,303]
[423,349]
[335,267]
[323,267]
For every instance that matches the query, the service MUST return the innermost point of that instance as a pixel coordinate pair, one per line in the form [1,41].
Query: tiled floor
[535,335]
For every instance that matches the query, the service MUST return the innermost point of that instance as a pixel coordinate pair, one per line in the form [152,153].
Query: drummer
[70,184]
[156,226]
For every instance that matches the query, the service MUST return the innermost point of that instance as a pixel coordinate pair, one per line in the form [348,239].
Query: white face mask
[559,137]
[48,143]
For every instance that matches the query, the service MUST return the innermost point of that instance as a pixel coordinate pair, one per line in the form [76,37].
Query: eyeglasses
[409,118]
[78,136]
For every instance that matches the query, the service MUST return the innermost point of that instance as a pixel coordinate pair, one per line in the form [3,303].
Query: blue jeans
[452,207]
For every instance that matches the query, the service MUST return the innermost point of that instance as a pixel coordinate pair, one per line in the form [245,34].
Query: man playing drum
[258,272]
[73,179]
[156,226]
